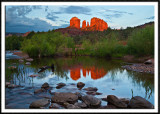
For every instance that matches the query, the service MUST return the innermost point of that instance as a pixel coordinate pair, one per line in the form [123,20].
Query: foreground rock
[55,106]
[45,86]
[81,105]
[91,102]
[60,85]
[71,106]
[39,103]
[91,89]
[80,85]
[38,91]
[140,103]
[62,98]
[116,102]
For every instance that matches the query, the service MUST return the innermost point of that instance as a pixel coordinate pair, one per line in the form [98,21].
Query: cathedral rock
[96,24]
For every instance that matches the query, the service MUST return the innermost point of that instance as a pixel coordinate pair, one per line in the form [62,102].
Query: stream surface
[107,75]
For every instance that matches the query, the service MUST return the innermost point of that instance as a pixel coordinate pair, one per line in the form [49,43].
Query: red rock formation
[75,22]
[84,24]
[95,25]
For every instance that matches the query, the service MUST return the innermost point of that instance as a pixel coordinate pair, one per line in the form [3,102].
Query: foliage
[141,41]
[13,42]
[47,44]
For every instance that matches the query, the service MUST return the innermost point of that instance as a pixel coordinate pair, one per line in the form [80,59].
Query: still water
[107,75]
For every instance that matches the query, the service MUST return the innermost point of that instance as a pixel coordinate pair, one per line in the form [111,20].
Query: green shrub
[141,41]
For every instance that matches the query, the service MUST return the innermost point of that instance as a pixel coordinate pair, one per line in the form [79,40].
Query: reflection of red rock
[75,74]
[75,22]
[95,73]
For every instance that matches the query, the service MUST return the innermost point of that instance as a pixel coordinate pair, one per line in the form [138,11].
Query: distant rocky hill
[17,34]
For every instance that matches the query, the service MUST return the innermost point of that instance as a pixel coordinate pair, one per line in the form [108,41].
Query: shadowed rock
[39,103]
[91,89]
[115,101]
[80,85]
[62,98]
[91,102]
[140,103]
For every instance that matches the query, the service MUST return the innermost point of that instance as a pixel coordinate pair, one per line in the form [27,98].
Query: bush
[141,41]
[47,44]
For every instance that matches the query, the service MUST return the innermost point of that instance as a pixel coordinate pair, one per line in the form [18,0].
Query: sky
[24,18]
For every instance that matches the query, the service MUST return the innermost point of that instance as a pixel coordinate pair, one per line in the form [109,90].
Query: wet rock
[81,105]
[125,100]
[39,103]
[60,85]
[55,106]
[104,99]
[61,98]
[113,89]
[29,59]
[21,60]
[150,61]
[91,102]
[140,103]
[91,89]
[79,95]
[7,84]
[93,93]
[115,101]
[80,85]
[45,85]
[45,96]
[33,75]
[28,63]
[71,106]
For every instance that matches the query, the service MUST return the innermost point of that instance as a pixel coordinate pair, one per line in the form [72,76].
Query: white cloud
[50,22]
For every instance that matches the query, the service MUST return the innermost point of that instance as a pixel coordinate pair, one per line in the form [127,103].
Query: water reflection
[96,73]
[91,71]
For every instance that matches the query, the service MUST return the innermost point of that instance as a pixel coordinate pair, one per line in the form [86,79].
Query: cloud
[16,21]
[152,17]
[116,11]
[74,10]
[112,13]
[51,16]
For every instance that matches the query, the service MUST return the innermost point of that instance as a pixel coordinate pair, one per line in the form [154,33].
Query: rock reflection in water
[96,73]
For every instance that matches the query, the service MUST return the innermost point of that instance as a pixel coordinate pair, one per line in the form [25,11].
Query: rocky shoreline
[146,67]
[77,100]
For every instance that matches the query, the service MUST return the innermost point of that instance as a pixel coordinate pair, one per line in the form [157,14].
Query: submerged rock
[61,98]
[140,103]
[91,102]
[29,59]
[93,93]
[115,101]
[80,85]
[39,103]
[60,85]
[33,75]
[38,91]
[91,89]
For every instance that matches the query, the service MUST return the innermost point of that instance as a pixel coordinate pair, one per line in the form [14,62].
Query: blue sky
[42,18]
